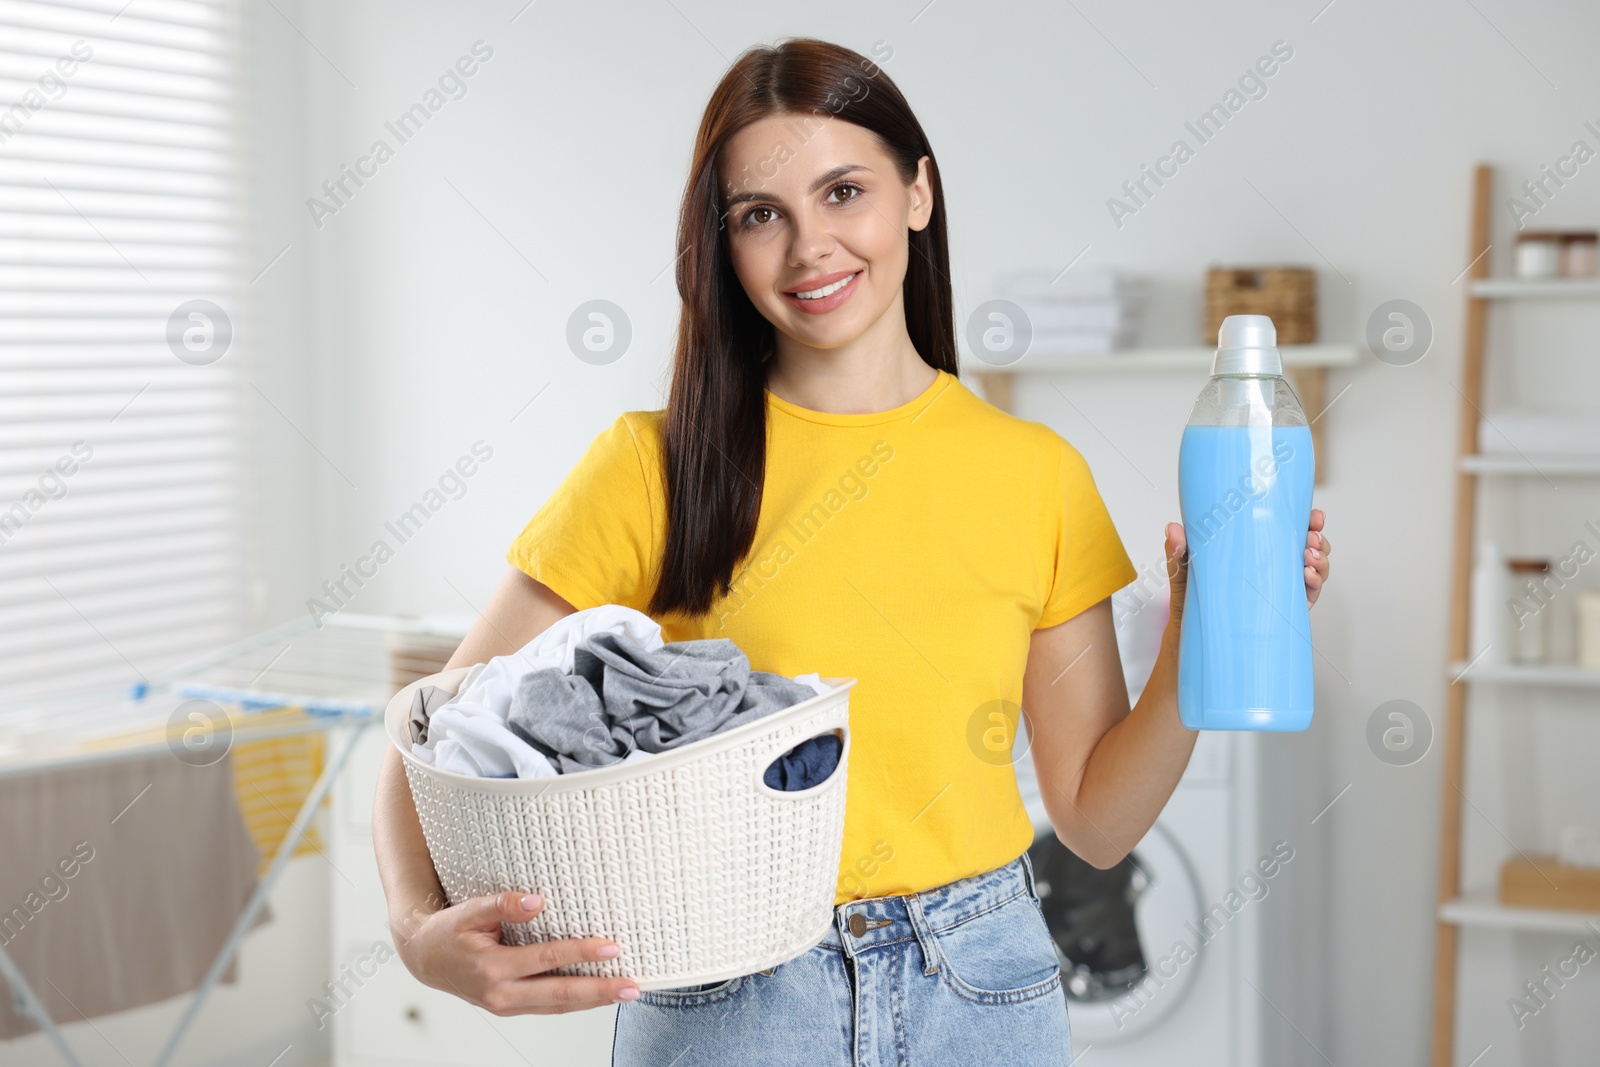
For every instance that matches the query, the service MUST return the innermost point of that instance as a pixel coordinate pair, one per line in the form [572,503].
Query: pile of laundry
[600,687]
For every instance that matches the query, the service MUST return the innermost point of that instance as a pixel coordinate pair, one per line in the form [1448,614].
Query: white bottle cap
[1247,344]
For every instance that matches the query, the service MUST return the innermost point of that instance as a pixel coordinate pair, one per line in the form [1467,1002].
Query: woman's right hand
[457,949]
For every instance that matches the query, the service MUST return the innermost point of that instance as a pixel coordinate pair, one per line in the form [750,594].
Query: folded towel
[1085,316]
[1075,344]
[1536,431]
[1084,283]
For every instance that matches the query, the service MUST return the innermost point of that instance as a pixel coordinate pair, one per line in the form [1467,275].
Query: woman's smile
[825,298]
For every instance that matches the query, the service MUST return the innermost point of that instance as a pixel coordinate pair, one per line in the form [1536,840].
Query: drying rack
[301,677]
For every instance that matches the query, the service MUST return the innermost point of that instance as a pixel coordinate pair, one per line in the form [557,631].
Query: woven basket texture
[1287,294]
[694,866]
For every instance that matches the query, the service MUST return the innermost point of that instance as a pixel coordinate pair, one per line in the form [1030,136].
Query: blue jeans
[962,974]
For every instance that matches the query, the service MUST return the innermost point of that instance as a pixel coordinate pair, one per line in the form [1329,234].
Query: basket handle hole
[806,765]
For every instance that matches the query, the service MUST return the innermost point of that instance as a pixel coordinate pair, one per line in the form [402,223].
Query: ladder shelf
[1455,907]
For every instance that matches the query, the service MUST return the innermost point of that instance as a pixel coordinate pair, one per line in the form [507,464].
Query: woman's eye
[749,221]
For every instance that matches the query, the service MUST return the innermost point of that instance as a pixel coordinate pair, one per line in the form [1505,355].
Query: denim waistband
[890,919]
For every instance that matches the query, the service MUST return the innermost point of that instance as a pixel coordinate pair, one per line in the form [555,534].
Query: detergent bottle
[1245,470]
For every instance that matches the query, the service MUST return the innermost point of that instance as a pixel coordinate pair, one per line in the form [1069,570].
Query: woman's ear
[921,195]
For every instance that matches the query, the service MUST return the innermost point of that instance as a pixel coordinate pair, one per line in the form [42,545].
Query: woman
[822,489]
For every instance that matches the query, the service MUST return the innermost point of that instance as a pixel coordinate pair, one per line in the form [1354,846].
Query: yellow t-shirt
[914,549]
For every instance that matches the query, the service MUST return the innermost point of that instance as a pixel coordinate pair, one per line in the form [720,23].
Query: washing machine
[1187,952]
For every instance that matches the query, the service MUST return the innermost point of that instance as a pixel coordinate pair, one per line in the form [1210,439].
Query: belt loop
[842,928]
[919,925]
[1027,874]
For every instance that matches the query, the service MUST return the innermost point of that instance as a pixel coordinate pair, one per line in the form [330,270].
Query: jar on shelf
[1589,631]
[1529,632]
[1580,253]
[1538,255]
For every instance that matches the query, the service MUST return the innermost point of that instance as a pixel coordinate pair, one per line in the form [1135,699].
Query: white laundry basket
[687,859]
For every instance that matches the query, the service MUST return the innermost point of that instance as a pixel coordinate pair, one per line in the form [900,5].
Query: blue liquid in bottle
[1244,653]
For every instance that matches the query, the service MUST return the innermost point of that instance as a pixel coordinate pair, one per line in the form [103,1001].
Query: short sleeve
[593,541]
[1087,559]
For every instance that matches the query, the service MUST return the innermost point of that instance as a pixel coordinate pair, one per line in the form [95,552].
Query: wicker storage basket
[690,862]
[1287,294]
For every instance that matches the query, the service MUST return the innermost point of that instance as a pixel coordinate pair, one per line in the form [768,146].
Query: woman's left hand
[1316,556]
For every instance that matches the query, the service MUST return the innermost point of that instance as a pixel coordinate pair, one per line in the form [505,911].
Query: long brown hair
[715,428]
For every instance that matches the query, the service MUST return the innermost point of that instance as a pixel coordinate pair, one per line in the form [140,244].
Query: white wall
[281,365]
[440,294]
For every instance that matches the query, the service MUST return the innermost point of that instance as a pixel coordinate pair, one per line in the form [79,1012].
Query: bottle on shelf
[1538,254]
[1589,631]
[1529,637]
[1489,615]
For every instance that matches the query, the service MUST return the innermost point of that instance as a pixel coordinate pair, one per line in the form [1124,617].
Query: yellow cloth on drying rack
[271,779]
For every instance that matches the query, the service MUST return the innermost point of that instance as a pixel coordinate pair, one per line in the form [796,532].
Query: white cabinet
[381,1015]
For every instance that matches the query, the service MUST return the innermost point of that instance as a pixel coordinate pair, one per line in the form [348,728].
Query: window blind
[121,414]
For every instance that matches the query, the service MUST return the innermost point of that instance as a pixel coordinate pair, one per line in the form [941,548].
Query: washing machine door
[1119,933]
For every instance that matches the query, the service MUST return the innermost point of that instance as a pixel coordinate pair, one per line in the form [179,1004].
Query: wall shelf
[1195,358]
[1485,910]
[1305,366]
[1548,675]
[1535,288]
[1533,465]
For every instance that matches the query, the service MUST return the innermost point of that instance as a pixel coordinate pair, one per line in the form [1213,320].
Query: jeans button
[858,924]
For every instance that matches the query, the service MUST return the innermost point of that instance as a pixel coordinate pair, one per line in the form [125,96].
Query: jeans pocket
[693,995]
[1000,956]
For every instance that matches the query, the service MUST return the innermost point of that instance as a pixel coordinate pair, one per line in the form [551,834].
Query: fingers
[1316,557]
[1314,536]
[458,949]
[1317,548]
[515,983]
[511,962]
[511,979]
[1314,581]
[487,913]
[1177,549]
[555,995]
[507,962]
